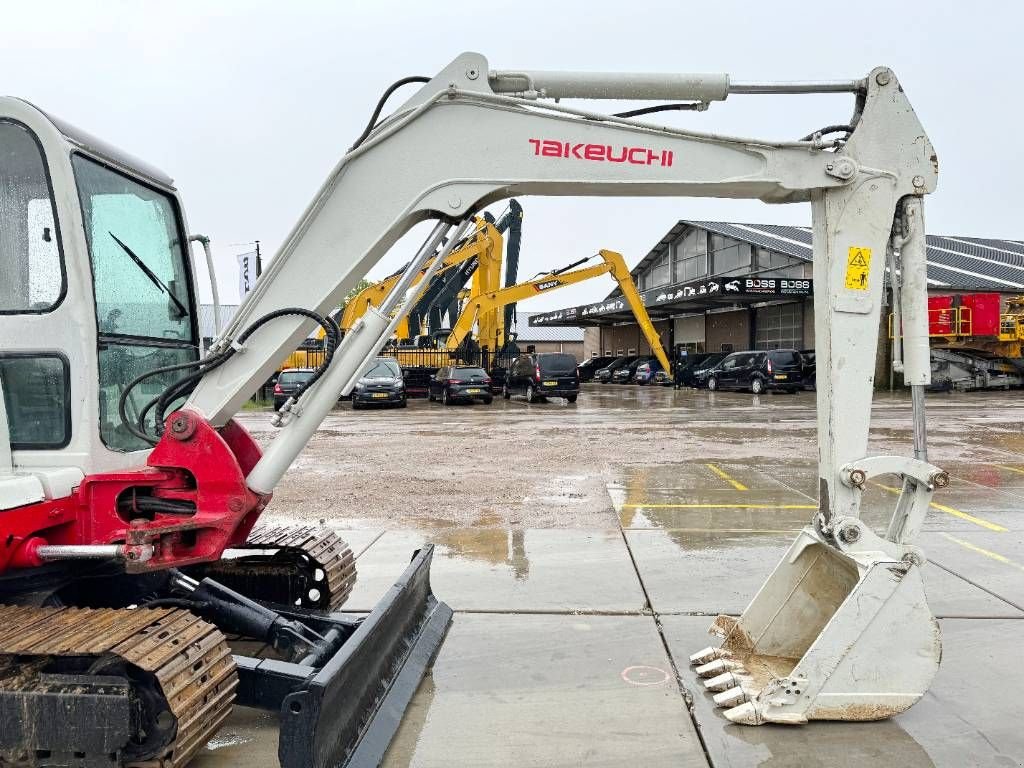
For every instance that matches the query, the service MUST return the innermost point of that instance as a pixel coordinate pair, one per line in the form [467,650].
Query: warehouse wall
[809,323]
[620,339]
[592,343]
[727,328]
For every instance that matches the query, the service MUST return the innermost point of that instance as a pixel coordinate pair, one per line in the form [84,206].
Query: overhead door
[779,327]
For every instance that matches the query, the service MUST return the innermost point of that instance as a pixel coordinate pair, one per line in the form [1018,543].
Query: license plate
[380,394]
[781,377]
[550,383]
[472,391]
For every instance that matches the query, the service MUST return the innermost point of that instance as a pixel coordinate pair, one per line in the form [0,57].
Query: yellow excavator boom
[486,243]
[487,304]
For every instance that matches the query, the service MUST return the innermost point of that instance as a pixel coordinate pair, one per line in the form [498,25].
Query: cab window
[31,268]
[37,398]
[142,286]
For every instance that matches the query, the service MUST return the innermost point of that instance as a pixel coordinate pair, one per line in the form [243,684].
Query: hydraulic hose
[182,386]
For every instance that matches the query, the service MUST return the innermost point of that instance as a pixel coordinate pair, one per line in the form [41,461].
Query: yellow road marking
[987,553]
[725,476]
[1012,469]
[951,511]
[719,506]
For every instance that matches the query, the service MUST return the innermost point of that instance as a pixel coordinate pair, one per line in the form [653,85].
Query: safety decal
[858,264]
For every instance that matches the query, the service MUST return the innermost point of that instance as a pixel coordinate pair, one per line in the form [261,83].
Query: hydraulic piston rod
[685,86]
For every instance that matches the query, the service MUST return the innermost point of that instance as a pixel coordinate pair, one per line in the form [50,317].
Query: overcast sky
[248,105]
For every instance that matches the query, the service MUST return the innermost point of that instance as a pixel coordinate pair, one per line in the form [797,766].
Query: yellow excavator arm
[486,243]
[486,304]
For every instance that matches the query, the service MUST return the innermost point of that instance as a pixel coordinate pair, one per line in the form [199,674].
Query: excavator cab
[96,290]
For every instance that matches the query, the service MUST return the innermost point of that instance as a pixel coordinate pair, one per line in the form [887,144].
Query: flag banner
[246,273]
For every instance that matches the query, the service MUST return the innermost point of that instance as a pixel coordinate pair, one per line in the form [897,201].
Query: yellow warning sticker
[858,264]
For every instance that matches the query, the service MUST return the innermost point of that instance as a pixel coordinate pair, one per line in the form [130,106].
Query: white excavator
[140,597]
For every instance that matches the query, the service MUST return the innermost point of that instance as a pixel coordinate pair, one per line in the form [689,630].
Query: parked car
[694,372]
[383,384]
[461,382]
[588,368]
[663,379]
[759,371]
[542,375]
[810,370]
[646,371]
[604,375]
[288,382]
[625,374]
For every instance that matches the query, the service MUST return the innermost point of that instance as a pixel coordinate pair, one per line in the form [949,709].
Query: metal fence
[420,365]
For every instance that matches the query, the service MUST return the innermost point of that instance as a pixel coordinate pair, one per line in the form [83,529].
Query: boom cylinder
[614,85]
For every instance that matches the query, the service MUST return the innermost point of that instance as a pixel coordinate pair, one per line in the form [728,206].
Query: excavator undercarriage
[159,660]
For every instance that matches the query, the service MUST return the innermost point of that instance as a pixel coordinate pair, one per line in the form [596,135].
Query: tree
[356,290]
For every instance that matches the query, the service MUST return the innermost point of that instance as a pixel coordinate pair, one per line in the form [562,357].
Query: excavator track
[294,565]
[171,673]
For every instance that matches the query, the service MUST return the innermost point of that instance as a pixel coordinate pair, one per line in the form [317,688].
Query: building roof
[956,262]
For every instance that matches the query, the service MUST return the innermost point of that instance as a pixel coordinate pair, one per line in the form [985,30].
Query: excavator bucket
[343,713]
[837,632]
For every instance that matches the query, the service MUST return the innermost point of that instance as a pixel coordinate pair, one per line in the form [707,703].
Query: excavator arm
[481,305]
[620,272]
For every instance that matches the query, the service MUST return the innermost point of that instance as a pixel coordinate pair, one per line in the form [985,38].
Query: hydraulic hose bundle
[184,385]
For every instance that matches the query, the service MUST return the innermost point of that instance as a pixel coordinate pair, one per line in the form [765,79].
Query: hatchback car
[774,370]
[625,373]
[288,382]
[588,368]
[383,384]
[542,375]
[647,371]
[460,382]
[604,375]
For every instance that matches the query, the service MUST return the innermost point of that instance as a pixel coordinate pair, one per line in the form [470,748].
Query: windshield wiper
[150,274]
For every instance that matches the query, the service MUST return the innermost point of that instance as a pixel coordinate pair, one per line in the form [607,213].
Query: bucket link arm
[460,143]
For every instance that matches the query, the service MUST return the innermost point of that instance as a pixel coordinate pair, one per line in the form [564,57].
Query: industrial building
[720,286]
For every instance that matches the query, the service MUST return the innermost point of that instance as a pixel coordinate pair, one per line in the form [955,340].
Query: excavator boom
[488,304]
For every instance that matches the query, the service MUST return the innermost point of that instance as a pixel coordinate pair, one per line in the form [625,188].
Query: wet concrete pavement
[624,524]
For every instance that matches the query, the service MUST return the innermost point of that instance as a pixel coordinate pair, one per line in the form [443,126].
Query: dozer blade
[344,713]
[833,634]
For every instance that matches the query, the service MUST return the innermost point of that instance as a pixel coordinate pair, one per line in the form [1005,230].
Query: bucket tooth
[716,667]
[730,698]
[744,714]
[722,682]
[707,654]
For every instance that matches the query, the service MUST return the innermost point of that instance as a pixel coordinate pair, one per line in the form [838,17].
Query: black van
[777,370]
[547,374]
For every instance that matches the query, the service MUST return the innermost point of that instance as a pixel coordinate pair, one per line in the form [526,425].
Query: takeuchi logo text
[603,153]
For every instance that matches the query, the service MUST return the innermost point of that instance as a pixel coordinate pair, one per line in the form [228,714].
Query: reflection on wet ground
[569,627]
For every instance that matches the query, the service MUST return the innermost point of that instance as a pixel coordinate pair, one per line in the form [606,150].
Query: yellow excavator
[485,244]
[483,310]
